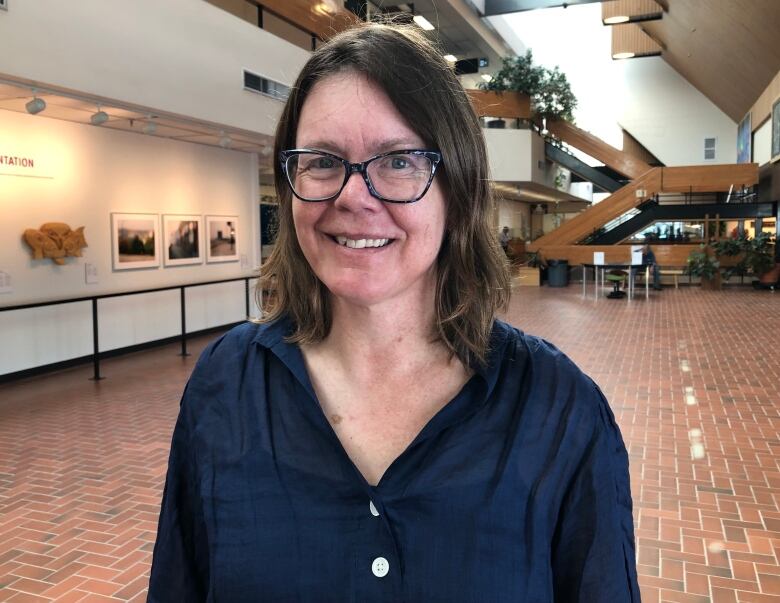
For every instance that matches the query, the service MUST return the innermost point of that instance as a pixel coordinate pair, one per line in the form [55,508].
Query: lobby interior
[691,373]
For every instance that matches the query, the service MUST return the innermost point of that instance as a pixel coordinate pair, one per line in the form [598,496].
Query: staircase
[565,241]
[582,169]
[618,160]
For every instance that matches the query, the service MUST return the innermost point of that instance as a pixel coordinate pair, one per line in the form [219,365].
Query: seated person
[648,259]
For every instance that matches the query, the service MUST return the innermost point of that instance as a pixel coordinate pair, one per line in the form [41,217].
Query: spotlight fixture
[99,118]
[150,127]
[624,55]
[617,19]
[423,23]
[35,106]
[224,140]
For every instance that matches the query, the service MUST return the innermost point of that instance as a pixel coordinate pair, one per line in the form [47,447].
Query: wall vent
[709,149]
[257,83]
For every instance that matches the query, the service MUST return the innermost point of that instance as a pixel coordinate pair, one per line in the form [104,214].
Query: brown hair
[472,277]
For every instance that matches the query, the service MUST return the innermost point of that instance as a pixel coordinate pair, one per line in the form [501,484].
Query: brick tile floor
[693,377]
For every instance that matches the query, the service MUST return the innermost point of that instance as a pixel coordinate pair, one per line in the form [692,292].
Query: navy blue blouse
[516,491]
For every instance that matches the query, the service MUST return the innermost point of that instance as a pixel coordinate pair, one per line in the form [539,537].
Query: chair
[617,277]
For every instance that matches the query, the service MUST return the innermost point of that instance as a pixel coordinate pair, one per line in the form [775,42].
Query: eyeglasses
[396,177]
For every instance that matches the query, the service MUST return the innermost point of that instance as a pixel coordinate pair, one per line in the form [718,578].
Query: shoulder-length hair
[472,280]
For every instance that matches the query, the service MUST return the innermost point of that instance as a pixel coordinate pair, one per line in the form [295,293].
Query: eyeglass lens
[396,177]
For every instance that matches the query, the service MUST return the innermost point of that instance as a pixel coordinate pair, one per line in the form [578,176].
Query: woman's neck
[394,337]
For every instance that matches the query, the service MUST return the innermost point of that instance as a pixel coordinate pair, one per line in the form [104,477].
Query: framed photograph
[744,139]
[182,240]
[222,239]
[135,241]
[776,131]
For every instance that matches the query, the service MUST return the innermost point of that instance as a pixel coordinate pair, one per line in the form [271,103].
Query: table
[602,268]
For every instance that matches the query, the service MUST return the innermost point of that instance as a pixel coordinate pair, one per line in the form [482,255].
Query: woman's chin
[361,292]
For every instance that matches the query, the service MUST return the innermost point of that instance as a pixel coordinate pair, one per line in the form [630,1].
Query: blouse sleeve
[593,558]
[180,565]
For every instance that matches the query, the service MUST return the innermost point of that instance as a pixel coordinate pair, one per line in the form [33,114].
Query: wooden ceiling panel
[728,49]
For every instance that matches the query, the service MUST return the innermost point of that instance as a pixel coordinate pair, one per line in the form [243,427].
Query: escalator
[639,218]
[582,169]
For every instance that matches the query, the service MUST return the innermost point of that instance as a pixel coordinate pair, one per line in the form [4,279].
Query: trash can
[558,273]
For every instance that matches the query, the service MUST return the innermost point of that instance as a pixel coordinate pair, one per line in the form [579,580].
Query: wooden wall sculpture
[55,240]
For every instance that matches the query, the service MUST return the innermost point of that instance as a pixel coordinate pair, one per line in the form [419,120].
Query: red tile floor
[693,377]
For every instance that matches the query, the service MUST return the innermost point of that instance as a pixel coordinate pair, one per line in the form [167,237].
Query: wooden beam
[589,144]
[323,19]
[630,10]
[506,104]
[665,255]
[630,38]
[708,178]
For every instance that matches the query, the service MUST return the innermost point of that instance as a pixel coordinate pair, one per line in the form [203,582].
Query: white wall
[670,117]
[762,143]
[178,56]
[516,215]
[510,154]
[90,173]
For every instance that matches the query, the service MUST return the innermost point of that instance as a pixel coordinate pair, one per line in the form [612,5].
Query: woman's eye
[324,163]
[399,163]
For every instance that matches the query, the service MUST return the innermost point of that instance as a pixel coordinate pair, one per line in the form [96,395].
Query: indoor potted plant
[549,89]
[707,268]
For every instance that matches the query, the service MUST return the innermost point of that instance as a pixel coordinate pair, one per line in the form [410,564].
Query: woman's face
[350,116]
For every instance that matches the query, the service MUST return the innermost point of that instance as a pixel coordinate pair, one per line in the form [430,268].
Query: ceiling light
[423,22]
[617,19]
[487,77]
[150,127]
[624,55]
[35,106]
[451,58]
[99,118]
[224,140]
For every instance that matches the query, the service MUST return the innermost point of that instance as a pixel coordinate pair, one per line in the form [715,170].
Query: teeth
[361,243]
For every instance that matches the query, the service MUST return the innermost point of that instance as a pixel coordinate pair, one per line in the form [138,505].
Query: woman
[381,437]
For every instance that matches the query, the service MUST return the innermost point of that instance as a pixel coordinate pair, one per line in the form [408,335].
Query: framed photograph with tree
[222,243]
[135,241]
[182,239]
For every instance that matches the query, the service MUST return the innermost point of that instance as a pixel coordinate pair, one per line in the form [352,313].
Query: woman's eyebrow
[377,148]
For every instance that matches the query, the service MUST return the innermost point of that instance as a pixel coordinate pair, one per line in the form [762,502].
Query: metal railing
[95,322]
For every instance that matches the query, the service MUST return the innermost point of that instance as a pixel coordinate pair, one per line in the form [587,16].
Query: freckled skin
[335,419]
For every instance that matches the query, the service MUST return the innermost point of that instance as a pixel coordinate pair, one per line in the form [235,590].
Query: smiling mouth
[362,243]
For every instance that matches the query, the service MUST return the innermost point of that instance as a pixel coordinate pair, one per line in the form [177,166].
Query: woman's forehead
[348,111]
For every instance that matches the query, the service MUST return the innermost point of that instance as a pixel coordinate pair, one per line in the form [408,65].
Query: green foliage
[702,264]
[757,254]
[549,89]
[555,98]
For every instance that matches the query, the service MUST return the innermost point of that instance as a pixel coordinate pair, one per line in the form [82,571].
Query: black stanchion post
[246,293]
[95,343]
[183,324]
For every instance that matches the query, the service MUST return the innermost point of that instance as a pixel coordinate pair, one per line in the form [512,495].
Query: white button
[372,508]
[380,567]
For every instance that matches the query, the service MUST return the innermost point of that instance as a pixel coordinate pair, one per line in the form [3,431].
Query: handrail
[94,300]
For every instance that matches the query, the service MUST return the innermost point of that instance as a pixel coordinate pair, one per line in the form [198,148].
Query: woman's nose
[355,195]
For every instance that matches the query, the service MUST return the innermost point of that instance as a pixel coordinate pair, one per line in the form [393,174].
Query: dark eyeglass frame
[362,168]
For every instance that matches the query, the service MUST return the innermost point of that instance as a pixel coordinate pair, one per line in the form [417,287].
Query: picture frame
[182,239]
[744,140]
[776,131]
[135,241]
[222,235]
